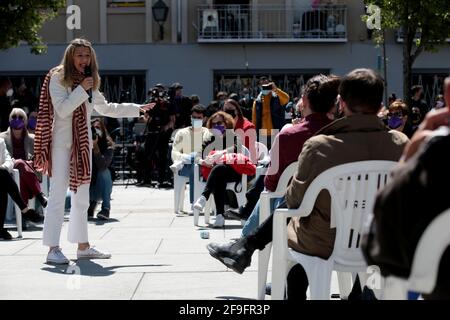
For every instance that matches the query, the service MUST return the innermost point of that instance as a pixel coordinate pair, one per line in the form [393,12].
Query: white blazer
[6,163]
[65,101]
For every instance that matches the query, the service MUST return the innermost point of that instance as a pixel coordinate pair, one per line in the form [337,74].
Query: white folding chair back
[353,189]
[264,213]
[425,267]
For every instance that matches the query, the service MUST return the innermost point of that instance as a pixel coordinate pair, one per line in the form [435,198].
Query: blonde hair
[68,68]
[18,112]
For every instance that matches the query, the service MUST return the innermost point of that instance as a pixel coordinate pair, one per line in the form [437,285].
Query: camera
[267,87]
[156,95]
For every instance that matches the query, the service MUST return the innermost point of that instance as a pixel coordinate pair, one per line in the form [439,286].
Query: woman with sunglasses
[63,144]
[20,145]
[223,141]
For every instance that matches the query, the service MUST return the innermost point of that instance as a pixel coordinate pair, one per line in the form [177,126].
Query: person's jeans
[253,221]
[102,189]
[188,171]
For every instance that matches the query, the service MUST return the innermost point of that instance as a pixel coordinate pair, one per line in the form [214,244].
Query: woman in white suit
[63,144]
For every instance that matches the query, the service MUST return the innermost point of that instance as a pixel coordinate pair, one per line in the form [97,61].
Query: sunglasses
[15,117]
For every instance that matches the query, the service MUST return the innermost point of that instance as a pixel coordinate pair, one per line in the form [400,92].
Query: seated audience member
[242,126]
[101,181]
[359,136]
[187,147]
[414,198]
[9,187]
[398,118]
[32,122]
[223,141]
[20,145]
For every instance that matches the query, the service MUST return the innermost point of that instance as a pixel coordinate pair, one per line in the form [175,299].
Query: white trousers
[54,217]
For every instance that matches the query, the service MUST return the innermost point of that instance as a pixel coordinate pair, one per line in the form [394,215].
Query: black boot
[42,199]
[5,235]
[91,209]
[33,216]
[235,255]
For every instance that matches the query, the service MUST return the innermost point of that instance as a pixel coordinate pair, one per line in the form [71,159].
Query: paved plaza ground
[155,255]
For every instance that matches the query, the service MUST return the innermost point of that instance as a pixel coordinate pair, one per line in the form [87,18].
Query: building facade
[216,45]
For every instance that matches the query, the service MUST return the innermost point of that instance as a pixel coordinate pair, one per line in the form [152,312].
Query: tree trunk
[407,74]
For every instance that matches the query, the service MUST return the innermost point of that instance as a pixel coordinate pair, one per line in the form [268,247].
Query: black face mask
[231,113]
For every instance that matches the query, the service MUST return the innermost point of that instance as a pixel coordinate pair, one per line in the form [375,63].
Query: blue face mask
[395,122]
[32,122]
[220,128]
[265,92]
[196,123]
[17,124]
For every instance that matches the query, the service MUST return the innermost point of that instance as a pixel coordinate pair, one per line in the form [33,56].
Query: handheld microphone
[88,73]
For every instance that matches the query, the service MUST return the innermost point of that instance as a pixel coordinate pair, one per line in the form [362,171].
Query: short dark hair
[322,91]
[416,88]
[362,91]
[198,108]
[263,78]
[195,99]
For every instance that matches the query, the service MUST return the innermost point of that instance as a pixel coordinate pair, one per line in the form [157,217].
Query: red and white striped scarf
[80,168]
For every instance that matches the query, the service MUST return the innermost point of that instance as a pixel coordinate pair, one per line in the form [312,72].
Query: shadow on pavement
[91,269]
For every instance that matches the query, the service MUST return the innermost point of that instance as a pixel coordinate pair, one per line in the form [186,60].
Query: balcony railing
[243,23]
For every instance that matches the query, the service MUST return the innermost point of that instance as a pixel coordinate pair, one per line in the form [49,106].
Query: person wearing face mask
[101,181]
[187,147]
[20,145]
[32,122]
[242,126]
[223,141]
[268,109]
[398,118]
[6,92]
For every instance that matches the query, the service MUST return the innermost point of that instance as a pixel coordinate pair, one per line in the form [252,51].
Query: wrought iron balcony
[272,23]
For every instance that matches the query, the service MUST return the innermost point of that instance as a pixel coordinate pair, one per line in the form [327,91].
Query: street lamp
[160,11]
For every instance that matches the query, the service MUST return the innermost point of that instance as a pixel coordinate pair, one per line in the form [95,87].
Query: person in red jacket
[242,126]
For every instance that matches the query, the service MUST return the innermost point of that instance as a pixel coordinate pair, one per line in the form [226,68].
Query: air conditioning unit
[210,19]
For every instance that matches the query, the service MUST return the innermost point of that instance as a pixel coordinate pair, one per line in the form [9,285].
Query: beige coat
[28,143]
[351,139]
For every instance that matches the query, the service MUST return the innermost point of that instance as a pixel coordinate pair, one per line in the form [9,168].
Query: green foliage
[21,20]
[424,23]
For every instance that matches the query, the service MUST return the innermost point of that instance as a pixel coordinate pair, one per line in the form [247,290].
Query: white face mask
[10,92]
[197,123]
[99,132]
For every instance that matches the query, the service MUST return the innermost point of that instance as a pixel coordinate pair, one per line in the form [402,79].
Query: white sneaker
[176,166]
[200,203]
[92,253]
[220,221]
[55,256]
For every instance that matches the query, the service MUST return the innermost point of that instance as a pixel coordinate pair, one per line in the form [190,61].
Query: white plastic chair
[179,186]
[425,266]
[264,213]
[353,189]
[199,186]
[263,158]
[12,206]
